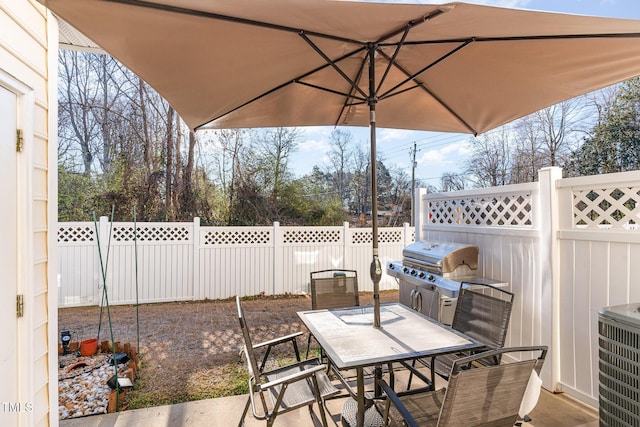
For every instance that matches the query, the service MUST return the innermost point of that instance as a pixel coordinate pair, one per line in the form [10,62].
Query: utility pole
[413,177]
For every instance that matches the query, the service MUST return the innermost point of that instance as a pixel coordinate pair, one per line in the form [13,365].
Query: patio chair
[482,313]
[287,387]
[477,395]
[333,289]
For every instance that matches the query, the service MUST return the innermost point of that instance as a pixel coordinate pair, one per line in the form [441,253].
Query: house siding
[28,52]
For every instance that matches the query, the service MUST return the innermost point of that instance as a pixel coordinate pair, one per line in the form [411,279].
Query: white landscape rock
[83,390]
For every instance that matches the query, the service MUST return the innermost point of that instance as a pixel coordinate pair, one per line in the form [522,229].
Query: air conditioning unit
[619,362]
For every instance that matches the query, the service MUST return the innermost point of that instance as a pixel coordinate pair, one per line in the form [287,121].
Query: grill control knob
[431,278]
[405,269]
[413,272]
[391,266]
[421,275]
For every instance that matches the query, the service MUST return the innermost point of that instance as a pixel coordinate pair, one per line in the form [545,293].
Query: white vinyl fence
[567,247]
[184,261]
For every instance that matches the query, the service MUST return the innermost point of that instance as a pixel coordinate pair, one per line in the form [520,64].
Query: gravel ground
[190,350]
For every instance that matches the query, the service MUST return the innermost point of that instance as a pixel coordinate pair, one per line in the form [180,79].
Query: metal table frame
[350,341]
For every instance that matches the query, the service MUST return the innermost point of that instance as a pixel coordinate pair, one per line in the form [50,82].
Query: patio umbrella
[453,67]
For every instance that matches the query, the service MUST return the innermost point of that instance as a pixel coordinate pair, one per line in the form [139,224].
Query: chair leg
[244,412]
[413,365]
[308,346]
[323,415]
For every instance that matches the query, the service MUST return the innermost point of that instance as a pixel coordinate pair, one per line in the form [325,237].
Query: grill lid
[445,257]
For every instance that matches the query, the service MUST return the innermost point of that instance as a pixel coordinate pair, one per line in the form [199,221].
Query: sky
[440,152]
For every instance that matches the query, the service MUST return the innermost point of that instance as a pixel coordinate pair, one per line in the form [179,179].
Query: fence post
[549,268]
[417,213]
[196,291]
[406,230]
[277,257]
[346,246]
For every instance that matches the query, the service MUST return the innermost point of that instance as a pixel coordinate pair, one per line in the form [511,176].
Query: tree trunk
[169,213]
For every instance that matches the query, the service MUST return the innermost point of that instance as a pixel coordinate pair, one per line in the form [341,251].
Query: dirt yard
[190,350]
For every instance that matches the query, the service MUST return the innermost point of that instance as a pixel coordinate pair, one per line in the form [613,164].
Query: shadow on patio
[553,410]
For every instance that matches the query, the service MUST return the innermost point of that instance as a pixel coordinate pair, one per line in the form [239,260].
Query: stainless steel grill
[430,274]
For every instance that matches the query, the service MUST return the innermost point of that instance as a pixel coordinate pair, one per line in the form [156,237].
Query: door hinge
[20,305]
[19,140]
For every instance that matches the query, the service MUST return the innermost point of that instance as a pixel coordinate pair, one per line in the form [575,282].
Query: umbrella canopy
[454,67]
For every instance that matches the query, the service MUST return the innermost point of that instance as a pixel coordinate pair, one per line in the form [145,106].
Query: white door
[8,259]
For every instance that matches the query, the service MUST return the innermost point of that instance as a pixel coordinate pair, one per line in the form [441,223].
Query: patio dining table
[350,341]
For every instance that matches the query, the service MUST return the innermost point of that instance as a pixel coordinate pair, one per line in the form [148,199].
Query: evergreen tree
[615,142]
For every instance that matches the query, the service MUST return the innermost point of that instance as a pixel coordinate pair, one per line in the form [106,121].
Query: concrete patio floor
[553,410]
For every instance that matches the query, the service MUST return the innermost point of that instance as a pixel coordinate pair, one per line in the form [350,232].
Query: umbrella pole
[376,269]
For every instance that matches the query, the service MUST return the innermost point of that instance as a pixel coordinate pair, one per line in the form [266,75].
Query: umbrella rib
[332,63]
[413,23]
[221,17]
[398,45]
[276,88]
[326,89]
[394,56]
[520,38]
[347,103]
[561,37]
[412,77]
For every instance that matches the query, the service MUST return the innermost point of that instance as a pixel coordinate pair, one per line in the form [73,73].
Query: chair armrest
[294,377]
[395,400]
[277,341]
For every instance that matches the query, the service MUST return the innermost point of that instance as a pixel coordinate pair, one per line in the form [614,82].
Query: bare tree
[275,146]
[490,163]
[557,125]
[77,94]
[340,157]
[231,150]
[450,181]
[527,153]
[360,181]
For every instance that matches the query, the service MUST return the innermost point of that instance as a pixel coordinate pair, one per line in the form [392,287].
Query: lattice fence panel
[390,236]
[300,235]
[494,210]
[615,207]
[362,236]
[236,237]
[151,233]
[74,233]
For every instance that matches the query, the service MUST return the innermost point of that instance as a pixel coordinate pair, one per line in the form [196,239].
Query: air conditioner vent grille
[619,363]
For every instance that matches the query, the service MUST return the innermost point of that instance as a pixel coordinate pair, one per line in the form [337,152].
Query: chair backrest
[487,395]
[248,346]
[334,289]
[483,313]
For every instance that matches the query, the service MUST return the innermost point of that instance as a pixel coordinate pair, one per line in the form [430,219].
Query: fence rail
[185,261]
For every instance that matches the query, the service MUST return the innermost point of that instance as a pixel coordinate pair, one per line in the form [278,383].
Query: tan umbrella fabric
[264,63]
[222,73]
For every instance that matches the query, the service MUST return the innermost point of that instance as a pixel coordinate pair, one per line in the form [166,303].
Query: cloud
[449,154]
[314,139]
